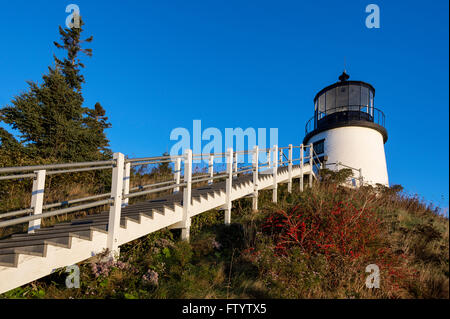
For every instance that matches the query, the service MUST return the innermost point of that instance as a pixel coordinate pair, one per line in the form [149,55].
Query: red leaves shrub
[343,230]
[346,231]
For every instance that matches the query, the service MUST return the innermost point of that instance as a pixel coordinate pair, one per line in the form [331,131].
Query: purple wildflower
[151,278]
[103,268]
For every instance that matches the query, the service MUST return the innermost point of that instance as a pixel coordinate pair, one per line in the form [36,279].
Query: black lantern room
[345,103]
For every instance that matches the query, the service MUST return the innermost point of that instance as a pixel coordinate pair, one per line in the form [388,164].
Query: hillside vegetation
[312,244]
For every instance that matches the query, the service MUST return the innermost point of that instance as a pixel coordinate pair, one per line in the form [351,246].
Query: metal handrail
[53,205]
[151,185]
[209,178]
[2,178]
[74,201]
[243,171]
[209,154]
[54,213]
[52,166]
[75,170]
[155,158]
[152,191]
[16,213]
[149,162]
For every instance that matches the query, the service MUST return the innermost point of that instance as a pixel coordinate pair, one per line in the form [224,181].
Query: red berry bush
[346,230]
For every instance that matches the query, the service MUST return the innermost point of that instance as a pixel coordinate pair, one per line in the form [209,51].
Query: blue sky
[158,65]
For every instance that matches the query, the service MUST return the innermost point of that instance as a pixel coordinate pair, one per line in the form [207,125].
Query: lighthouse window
[322,103]
[331,99]
[364,96]
[319,147]
[355,97]
[342,97]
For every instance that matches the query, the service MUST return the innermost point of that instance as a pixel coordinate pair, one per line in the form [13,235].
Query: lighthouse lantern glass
[331,99]
[345,101]
[364,97]
[341,98]
[354,97]
[322,107]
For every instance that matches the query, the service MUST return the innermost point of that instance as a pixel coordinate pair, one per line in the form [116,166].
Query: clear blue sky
[158,65]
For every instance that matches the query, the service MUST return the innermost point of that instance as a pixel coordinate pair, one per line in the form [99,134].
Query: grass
[328,235]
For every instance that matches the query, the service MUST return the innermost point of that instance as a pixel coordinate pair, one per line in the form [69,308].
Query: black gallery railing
[345,114]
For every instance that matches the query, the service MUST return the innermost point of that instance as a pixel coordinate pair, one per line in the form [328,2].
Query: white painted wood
[177,174]
[115,209]
[211,169]
[255,162]
[229,186]
[302,158]
[290,168]
[37,200]
[126,183]
[33,267]
[187,196]
[269,154]
[275,174]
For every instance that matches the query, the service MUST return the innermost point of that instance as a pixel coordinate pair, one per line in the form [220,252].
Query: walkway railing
[263,161]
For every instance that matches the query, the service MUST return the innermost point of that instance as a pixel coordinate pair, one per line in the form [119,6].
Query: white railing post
[37,199]
[310,164]
[126,183]
[302,158]
[270,158]
[255,177]
[275,174]
[211,168]
[281,157]
[187,196]
[290,168]
[177,174]
[229,186]
[112,243]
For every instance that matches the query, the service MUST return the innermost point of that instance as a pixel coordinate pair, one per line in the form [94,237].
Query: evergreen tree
[11,151]
[50,117]
[71,64]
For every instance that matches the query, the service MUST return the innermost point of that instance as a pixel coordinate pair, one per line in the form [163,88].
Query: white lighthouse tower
[348,129]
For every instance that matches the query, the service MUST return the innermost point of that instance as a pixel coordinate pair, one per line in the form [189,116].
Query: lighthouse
[348,130]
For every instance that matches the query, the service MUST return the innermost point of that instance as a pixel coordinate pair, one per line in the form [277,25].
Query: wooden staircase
[28,257]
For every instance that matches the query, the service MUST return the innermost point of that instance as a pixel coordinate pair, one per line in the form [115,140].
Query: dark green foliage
[52,123]
[231,236]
